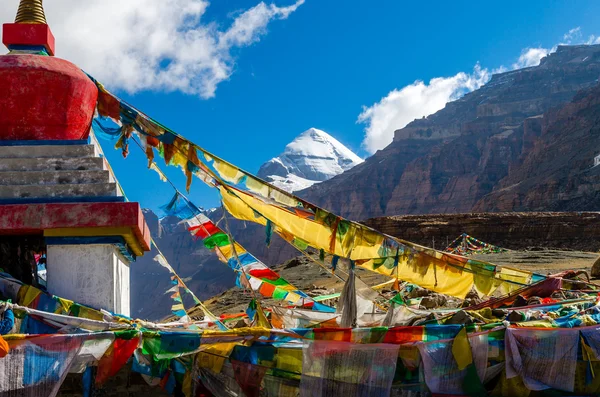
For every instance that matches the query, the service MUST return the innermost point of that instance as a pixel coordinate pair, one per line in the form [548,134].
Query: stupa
[58,195]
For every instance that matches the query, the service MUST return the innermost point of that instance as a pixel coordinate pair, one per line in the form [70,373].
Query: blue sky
[315,64]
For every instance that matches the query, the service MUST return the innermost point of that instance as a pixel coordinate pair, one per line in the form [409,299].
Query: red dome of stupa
[43,97]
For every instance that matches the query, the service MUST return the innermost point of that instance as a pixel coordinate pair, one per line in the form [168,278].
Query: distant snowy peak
[314,156]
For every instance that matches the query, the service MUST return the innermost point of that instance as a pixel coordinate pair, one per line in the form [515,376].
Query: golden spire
[31,11]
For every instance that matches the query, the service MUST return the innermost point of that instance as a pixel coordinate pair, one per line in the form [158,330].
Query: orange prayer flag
[4,348]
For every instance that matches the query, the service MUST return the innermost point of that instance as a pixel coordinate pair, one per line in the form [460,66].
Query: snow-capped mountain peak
[314,156]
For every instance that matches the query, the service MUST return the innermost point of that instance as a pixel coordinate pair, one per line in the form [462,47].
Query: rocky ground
[301,272]
[543,261]
[315,280]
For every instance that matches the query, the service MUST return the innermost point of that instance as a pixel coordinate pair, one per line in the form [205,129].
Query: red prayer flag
[334,334]
[109,106]
[405,334]
[264,274]
[205,230]
[115,357]
[248,377]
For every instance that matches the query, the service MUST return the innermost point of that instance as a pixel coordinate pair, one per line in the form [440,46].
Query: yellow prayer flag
[588,355]
[213,356]
[461,350]
[261,319]
[289,359]
[227,172]
[359,244]
[27,295]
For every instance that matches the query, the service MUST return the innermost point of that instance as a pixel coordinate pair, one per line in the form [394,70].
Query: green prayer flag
[216,240]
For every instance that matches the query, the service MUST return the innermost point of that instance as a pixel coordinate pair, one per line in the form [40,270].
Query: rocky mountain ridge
[449,161]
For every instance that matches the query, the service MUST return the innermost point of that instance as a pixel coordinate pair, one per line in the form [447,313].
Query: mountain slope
[558,173]
[314,156]
[450,160]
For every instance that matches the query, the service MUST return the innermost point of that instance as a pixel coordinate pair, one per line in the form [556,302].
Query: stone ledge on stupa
[32,181]
[78,220]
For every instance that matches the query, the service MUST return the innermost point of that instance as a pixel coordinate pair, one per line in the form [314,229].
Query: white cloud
[162,45]
[530,57]
[416,100]
[401,106]
[593,40]
[249,24]
[533,56]
[573,35]
[500,69]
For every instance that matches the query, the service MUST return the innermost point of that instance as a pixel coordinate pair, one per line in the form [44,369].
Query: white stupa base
[95,275]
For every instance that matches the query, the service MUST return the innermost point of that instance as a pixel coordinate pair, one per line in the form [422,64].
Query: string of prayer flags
[174,149]
[467,245]
[438,271]
[252,273]
[302,223]
[178,309]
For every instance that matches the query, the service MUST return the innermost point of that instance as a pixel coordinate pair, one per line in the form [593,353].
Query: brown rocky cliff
[450,160]
[365,190]
[557,173]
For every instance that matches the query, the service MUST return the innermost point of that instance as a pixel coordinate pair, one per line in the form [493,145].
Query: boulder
[471,299]
[433,301]
[419,292]
[596,269]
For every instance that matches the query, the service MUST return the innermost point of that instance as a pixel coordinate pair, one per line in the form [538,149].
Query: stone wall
[513,230]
